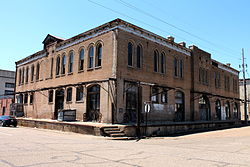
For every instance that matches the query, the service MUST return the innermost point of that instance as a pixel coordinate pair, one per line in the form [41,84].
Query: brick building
[7,85]
[109,72]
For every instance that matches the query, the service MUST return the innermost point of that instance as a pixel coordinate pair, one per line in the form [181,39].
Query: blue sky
[220,27]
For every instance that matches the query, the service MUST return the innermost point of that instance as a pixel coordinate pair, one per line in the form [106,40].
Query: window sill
[98,67]
[80,101]
[57,76]
[68,102]
[71,73]
[90,69]
[48,78]
[80,71]
[50,103]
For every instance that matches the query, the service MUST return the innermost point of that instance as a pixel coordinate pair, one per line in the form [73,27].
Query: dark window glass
[51,92]
[163,63]
[99,56]
[156,57]
[63,64]
[32,73]
[37,71]
[51,67]
[25,98]
[71,59]
[81,59]
[9,85]
[31,98]
[58,65]
[181,68]
[175,67]
[9,92]
[138,56]
[91,57]
[22,75]
[79,93]
[27,75]
[130,54]
[69,94]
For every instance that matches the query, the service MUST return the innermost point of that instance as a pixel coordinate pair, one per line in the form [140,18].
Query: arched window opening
[71,61]
[37,71]
[99,55]
[156,59]
[163,63]
[81,60]
[32,73]
[138,56]
[27,75]
[204,108]
[58,65]
[175,67]
[63,64]
[130,54]
[91,57]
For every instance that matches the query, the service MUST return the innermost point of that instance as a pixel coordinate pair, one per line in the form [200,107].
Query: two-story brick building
[109,72]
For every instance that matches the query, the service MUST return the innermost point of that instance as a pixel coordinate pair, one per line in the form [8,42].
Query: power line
[120,13]
[165,22]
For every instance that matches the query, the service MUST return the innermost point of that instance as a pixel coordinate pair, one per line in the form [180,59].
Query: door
[93,104]
[59,101]
[218,109]
[179,106]
[204,107]
[131,105]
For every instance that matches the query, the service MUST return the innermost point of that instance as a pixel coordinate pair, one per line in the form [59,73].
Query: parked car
[7,120]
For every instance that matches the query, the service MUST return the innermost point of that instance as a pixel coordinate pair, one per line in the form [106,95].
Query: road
[29,147]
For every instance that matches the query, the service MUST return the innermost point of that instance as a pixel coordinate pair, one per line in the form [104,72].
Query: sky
[220,27]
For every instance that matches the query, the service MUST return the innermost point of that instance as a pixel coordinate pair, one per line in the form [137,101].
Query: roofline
[231,68]
[7,70]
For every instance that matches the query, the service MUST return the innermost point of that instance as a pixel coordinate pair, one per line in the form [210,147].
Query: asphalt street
[30,147]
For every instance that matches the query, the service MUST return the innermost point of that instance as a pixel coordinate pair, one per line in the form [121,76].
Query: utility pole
[245,87]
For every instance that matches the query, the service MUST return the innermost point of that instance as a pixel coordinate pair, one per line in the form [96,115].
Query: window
[181,69]
[227,83]
[79,93]
[51,67]
[51,92]
[163,63]
[20,76]
[31,98]
[25,98]
[9,85]
[9,92]
[37,71]
[63,64]
[138,56]
[91,57]
[175,67]
[32,73]
[69,94]
[81,60]
[99,55]
[27,75]
[130,54]
[154,97]
[156,57]
[164,96]
[71,59]
[58,65]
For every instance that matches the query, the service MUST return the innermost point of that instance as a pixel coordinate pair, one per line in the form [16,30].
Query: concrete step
[111,129]
[114,131]
[117,135]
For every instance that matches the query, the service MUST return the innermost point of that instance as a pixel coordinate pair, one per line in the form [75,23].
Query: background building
[242,97]
[7,85]
[108,73]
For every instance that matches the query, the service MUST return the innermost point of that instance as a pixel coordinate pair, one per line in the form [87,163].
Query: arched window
[98,55]
[175,67]
[138,56]
[79,93]
[58,65]
[51,67]
[218,109]
[81,60]
[235,111]
[163,63]
[63,64]
[130,54]
[27,75]
[37,71]
[227,110]
[71,60]
[91,57]
[32,73]
[181,68]
[20,76]
[204,108]
[179,106]
[156,59]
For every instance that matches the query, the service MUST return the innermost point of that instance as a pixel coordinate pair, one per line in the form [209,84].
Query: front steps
[112,131]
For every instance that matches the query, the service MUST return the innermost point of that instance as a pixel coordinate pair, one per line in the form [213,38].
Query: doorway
[93,104]
[59,102]
[179,106]
[218,109]
[204,107]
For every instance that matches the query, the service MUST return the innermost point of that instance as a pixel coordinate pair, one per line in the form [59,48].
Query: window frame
[71,62]
[91,57]
[69,94]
